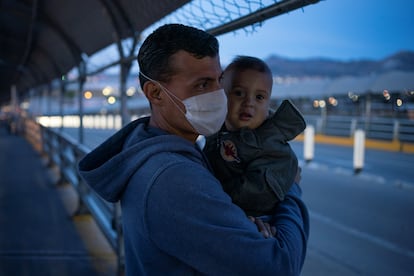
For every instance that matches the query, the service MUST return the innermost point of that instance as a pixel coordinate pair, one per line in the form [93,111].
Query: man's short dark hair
[154,54]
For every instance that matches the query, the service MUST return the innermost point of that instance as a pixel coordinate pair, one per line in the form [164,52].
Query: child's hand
[265,228]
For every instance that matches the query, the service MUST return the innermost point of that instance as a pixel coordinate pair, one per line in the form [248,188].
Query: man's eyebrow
[209,78]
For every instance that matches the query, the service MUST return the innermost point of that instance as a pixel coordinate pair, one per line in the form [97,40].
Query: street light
[88,95]
[111,100]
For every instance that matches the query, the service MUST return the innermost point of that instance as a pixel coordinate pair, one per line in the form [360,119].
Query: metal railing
[385,129]
[63,151]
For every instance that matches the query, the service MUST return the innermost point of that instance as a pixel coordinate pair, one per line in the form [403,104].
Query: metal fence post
[359,149]
[396,131]
[309,143]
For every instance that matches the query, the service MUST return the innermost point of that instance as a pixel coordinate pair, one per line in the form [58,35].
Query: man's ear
[152,91]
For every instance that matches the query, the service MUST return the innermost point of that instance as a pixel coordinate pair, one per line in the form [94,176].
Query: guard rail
[65,152]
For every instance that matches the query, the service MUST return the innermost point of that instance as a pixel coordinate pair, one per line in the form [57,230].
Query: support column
[82,79]
[61,101]
[125,116]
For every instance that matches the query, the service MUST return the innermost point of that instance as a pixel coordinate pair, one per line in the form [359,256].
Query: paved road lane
[390,167]
[359,226]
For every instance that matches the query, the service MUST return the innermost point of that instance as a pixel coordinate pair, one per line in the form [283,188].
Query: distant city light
[107,91]
[88,95]
[322,104]
[386,95]
[319,104]
[399,102]
[131,91]
[333,101]
[354,97]
[25,105]
[111,100]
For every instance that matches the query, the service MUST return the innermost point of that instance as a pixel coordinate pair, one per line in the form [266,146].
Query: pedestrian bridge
[53,224]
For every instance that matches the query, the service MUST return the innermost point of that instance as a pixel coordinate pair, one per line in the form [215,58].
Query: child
[250,154]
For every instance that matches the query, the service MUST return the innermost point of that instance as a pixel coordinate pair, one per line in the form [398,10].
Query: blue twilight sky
[338,29]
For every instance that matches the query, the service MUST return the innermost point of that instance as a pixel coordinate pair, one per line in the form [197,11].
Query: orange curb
[369,143]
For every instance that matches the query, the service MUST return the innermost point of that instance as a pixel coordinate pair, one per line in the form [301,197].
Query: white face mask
[205,112]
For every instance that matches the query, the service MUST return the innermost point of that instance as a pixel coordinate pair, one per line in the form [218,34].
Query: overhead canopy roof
[40,40]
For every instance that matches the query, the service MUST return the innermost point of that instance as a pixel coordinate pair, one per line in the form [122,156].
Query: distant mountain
[320,67]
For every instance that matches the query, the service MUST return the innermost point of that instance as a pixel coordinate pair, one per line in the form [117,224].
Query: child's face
[248,98]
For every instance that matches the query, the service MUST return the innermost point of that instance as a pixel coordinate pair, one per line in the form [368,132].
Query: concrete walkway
[37,234]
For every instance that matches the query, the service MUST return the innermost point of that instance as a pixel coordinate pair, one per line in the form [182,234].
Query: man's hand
[265,228]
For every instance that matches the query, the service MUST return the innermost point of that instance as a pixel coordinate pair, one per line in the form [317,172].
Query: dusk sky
[338,29]
[335,29]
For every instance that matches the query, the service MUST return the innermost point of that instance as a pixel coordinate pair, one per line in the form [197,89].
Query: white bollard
[359,150]
[309,143]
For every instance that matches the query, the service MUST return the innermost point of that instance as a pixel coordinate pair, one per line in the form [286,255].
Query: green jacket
[257,167]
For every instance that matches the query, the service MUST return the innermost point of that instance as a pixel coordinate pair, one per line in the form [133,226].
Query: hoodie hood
[108,168]
[287,121]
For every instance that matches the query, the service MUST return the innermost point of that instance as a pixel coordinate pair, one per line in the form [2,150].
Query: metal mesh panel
[208,14]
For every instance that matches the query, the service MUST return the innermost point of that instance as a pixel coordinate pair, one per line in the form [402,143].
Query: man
[177,220]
